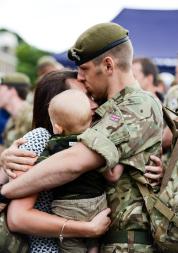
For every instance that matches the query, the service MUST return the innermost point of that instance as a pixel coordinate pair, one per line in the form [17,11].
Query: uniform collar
[119,96]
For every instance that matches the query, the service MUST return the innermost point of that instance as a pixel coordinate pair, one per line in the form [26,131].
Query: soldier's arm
[58,169]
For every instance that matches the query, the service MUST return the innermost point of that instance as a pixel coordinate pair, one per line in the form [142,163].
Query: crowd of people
[69,182]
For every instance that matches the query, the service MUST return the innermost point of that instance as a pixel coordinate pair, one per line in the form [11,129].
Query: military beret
[46,60]
[16,78]
[97,40]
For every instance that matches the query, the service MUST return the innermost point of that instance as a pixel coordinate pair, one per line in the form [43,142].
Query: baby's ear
[58,129]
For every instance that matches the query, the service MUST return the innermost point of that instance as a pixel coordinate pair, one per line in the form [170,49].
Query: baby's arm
[113,175]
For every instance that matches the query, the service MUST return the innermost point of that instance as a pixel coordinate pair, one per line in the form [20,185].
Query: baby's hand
[113,175]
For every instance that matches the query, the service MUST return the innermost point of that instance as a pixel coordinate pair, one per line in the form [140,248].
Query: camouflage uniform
[16,127]
[128,132]
[171,100]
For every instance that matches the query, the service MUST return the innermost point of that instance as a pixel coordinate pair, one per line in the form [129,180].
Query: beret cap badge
[74,54]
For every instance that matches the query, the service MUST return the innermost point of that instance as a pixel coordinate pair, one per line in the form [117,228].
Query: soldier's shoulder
[171,98]
[172,93]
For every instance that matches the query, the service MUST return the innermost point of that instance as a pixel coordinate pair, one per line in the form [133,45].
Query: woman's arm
[23,218]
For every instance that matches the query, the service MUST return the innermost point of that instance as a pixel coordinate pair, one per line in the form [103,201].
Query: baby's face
[76,84]
[53,122]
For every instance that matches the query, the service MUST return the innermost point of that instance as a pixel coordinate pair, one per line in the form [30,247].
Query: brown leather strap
[173,125]
[170,167]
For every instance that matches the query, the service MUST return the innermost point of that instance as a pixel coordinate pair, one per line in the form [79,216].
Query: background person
[3,120]
[47,64]
[146,73]
[14,88]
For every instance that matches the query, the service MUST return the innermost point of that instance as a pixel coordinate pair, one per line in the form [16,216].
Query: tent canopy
[154,34]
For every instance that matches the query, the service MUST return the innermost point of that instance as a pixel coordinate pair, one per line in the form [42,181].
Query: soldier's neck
[119,83]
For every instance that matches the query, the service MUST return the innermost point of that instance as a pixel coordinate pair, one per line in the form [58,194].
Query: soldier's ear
[57,129]
[109,64]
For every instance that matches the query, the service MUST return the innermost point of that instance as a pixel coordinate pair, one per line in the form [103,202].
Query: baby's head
[70,112]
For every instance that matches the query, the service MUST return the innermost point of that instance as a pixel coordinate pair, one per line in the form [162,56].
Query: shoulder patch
[115,117]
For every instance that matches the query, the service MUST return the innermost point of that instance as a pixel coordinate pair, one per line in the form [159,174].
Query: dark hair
[47,87]
[21,89]
[148,68]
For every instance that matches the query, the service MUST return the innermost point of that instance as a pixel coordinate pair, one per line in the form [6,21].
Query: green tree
[27,56]
[27,59]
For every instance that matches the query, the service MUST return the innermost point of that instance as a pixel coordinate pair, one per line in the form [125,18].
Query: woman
[22,216]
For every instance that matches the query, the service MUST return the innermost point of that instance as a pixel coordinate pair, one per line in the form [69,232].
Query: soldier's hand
[100,223]
[155,171]
[13,159]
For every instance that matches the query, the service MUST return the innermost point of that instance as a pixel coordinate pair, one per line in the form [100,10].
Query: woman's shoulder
[36,140]
[40,131]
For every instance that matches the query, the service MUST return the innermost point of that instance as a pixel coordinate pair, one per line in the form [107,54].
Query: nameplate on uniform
[72,143]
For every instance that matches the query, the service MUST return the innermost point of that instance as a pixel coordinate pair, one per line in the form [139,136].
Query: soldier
[128,131]
[47,64]
[13,91]
[146,72]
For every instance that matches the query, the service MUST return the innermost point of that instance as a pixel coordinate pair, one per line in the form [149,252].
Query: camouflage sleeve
[102,145]
[104,137]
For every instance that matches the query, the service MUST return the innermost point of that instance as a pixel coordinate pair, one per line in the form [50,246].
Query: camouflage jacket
[18,126]
[128,132]
[171,100]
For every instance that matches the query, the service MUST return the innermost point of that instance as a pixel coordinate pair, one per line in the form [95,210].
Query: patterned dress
[37,140]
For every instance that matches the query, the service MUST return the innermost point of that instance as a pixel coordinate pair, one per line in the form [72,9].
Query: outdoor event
[88,126]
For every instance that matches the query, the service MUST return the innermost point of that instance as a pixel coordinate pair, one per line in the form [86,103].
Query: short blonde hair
[71,110]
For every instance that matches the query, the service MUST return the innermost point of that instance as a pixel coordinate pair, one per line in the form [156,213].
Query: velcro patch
[114,117]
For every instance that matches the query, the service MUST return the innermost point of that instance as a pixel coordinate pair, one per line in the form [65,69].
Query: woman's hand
[15,159]
[100,223]
[155,171]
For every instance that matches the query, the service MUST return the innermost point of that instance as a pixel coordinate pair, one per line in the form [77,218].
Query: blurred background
[31,29]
